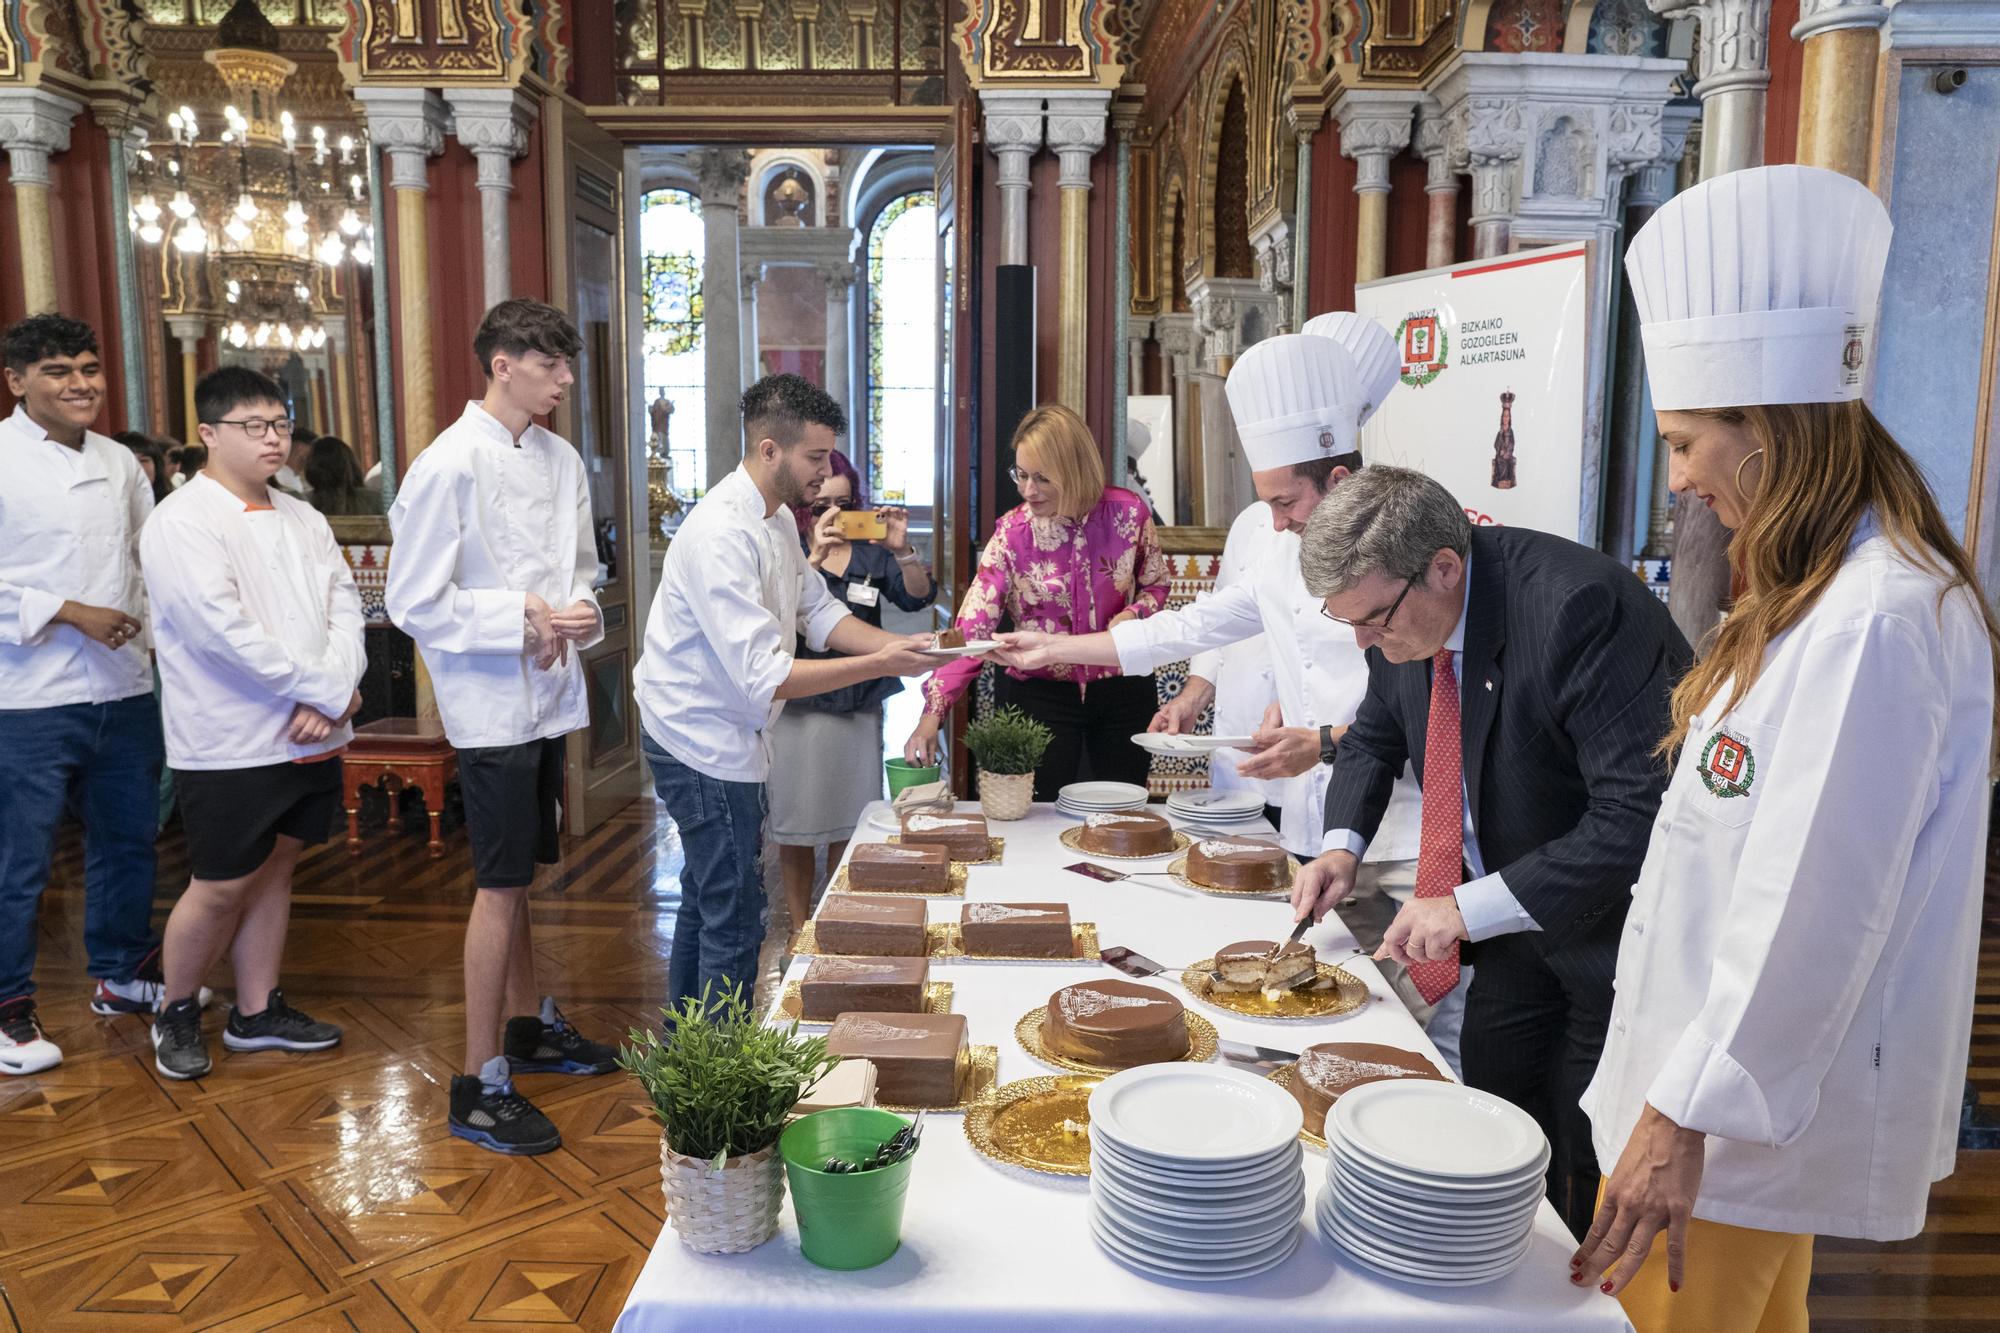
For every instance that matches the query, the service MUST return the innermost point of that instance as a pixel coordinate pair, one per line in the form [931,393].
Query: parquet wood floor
[323,1192]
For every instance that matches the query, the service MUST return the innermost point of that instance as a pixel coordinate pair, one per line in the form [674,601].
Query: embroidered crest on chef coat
[1727,765]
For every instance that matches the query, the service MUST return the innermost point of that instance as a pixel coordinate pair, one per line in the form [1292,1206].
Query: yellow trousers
[1735,1280]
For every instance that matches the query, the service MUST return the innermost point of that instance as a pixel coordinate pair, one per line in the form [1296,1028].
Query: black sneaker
[278,1028]
[498,1118]
[547,1044]
[178,1050]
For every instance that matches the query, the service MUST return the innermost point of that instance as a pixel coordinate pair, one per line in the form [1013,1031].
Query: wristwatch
[1328,747]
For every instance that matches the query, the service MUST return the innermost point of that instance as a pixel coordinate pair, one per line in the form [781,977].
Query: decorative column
[753,365]
[34,124]
[1302,226]
[407,124]
[1272,241]
[189,330]
[1440,187]
[1137,331]
[721,172]
[1374,128]
[336,356]
[840,279]
[1076,128]
[1493,135]
[1124,121]
[125,145]
[1179,338]
[1013,133]
[494,124]
[1837,94]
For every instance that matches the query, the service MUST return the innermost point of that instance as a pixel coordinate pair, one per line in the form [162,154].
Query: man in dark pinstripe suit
[1526,678]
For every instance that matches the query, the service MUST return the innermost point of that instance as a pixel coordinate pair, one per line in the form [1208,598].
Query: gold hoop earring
[1744,495]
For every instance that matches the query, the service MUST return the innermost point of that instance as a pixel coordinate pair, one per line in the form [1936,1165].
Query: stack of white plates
[1196,1173]
[1431,1182]
[1217,808]
[1090,798]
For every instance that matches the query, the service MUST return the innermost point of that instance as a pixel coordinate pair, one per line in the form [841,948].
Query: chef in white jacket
[1795,982]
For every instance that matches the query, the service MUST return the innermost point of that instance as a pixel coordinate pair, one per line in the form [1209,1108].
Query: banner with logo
[1491,401]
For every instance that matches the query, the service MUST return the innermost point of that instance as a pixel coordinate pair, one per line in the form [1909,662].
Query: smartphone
[862,525]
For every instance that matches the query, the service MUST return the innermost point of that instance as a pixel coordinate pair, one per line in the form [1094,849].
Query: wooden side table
[399,752]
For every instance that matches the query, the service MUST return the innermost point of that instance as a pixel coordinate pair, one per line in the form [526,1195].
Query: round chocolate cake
[1115,1025]
[1127,833]
[1224,862]
[1261,965]
[1326,1071]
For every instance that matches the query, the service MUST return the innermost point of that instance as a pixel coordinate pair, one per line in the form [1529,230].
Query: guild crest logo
[1853,354]
[1425,348]
[1326,441]
[1727,765]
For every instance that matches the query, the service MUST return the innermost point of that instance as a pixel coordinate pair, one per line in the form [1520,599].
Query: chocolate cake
[1224,862]
[1127,833]
[963,836]
[919,1059]
[1018,930]
[855,923]
[899,866]
[1249,966]
[1326,1071]
[1115,1025]
[949,638]
[835,986]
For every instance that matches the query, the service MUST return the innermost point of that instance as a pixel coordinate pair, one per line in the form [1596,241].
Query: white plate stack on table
[1216,809]
[1432,1183]
[1196,1172]
[1083,799]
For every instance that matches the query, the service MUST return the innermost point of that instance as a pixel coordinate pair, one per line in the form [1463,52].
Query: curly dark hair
[778,407]
[523,325]
[39,337]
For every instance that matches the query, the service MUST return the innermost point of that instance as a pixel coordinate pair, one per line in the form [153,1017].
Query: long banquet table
[987,1246]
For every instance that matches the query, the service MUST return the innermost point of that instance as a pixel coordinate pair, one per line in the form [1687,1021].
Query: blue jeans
[101,762]
[720,927]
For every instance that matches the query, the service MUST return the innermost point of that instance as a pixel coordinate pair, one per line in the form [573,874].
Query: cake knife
[1305,922]
[1252,1054]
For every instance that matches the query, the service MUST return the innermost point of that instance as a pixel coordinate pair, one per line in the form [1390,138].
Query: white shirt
[1797,972]
[1317,667]
[1245,682]
[735,592]
[254,612]
[69,532]
[480,521]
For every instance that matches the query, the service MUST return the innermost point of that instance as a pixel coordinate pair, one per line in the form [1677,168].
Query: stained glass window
[671,239]
[902,351]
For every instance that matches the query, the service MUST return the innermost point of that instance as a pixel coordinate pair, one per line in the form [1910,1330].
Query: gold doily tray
[995,848]
[935,936]
[937,1000]
[1178,873]
[1201,1043]
[1072,838]
[1041,1124]
[1282,1076]
[954,885]
[1082,934]
[1347,993]
[982,1071]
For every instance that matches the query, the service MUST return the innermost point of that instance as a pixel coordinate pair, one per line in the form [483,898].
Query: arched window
[670,236]
[902,351]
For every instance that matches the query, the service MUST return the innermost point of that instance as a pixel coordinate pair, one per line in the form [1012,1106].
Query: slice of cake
[836,986]
[1326,1071]
[1016,930]
[949,638]
[1127,833]
[856,923]
[1115,1024]
[919,1059]
[962,835]
[1252,966]
[899,866]
[1223,861]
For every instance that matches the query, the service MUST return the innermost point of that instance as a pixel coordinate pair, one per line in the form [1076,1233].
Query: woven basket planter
[727,1211]
[1006,795]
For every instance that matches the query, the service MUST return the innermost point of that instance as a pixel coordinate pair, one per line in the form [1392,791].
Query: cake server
[1252,1054]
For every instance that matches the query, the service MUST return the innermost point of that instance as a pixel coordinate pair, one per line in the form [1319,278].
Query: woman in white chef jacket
[1795,983]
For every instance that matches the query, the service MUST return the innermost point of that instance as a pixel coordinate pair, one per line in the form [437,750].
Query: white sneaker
[112,998]
[23,1048]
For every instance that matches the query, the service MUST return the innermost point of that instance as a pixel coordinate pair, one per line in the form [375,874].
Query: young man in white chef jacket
[1795,981]
[492,573]
[257,625]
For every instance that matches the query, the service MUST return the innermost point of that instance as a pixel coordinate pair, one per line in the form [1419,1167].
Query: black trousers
[1097,723]
[1534,1028]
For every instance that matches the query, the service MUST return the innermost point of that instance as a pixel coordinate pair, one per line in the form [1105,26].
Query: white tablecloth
[991,1247]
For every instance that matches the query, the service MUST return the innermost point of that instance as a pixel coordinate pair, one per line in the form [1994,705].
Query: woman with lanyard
[1074,557]
[825,747]
[1795,982]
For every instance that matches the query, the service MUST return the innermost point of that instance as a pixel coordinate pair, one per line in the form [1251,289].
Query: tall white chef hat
[1296,399]
[1373,349]
[1760,286]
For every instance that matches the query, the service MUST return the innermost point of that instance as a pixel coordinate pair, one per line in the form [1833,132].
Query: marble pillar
[125,146]
[188,331]
[1374,128]
[1123,382]
[1842,40]
[1440,188]
[1077,121]
[1013,126]
[407,124]
[840,278]
[753,347]
[342,415]
[1179,341]
[34,124]
[1302,232]
[1494,134]
[1137,334]
[1271,242]
[494,124]
[721,172]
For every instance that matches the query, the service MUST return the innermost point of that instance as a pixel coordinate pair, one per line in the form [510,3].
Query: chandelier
[260,215]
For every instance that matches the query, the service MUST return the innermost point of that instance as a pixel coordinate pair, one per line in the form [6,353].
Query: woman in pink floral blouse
[1074,557]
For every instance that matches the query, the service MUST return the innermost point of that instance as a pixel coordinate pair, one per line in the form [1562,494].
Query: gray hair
[1382,518]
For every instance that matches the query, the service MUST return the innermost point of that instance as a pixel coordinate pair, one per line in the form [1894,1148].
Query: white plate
[1198,1271]
[1160,742]
[1431,1213]
[1101,795]
[973,648]
[1194,1247]
[1411,1268]
[1438,1130]
[1217,1168]
[1184,1211]
[1196,1113]
[1468,1245]
[1400,1273]
[1395,1180]
[1215,804]
[1191,1184]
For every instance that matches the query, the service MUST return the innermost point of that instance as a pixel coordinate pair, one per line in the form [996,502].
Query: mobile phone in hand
[862,525]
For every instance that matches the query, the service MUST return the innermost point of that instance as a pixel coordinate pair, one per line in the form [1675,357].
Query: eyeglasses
[1387,616]
[257,427]
[1022,477]
[819,507]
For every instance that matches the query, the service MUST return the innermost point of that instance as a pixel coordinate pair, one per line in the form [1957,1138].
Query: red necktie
[1441,855]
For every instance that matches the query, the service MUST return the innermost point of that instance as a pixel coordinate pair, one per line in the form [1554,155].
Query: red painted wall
[1330,252]
[1409,209]
[1781,103]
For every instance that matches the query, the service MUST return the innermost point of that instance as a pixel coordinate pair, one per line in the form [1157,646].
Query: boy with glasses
[258,629]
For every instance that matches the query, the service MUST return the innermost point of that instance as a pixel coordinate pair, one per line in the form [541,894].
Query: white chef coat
[1317,667]
[1245,682]
[735,593]
[1797,971]
[481,520]
[254,612]
[69,532]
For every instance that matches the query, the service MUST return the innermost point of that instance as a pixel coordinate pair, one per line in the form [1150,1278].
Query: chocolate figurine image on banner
[1503,445]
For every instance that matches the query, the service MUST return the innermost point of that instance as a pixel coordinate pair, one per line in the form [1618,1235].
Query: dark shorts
[233,816]
[512,798]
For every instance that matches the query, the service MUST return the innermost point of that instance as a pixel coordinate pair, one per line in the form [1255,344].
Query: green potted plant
[722,1084]
[1008,744]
